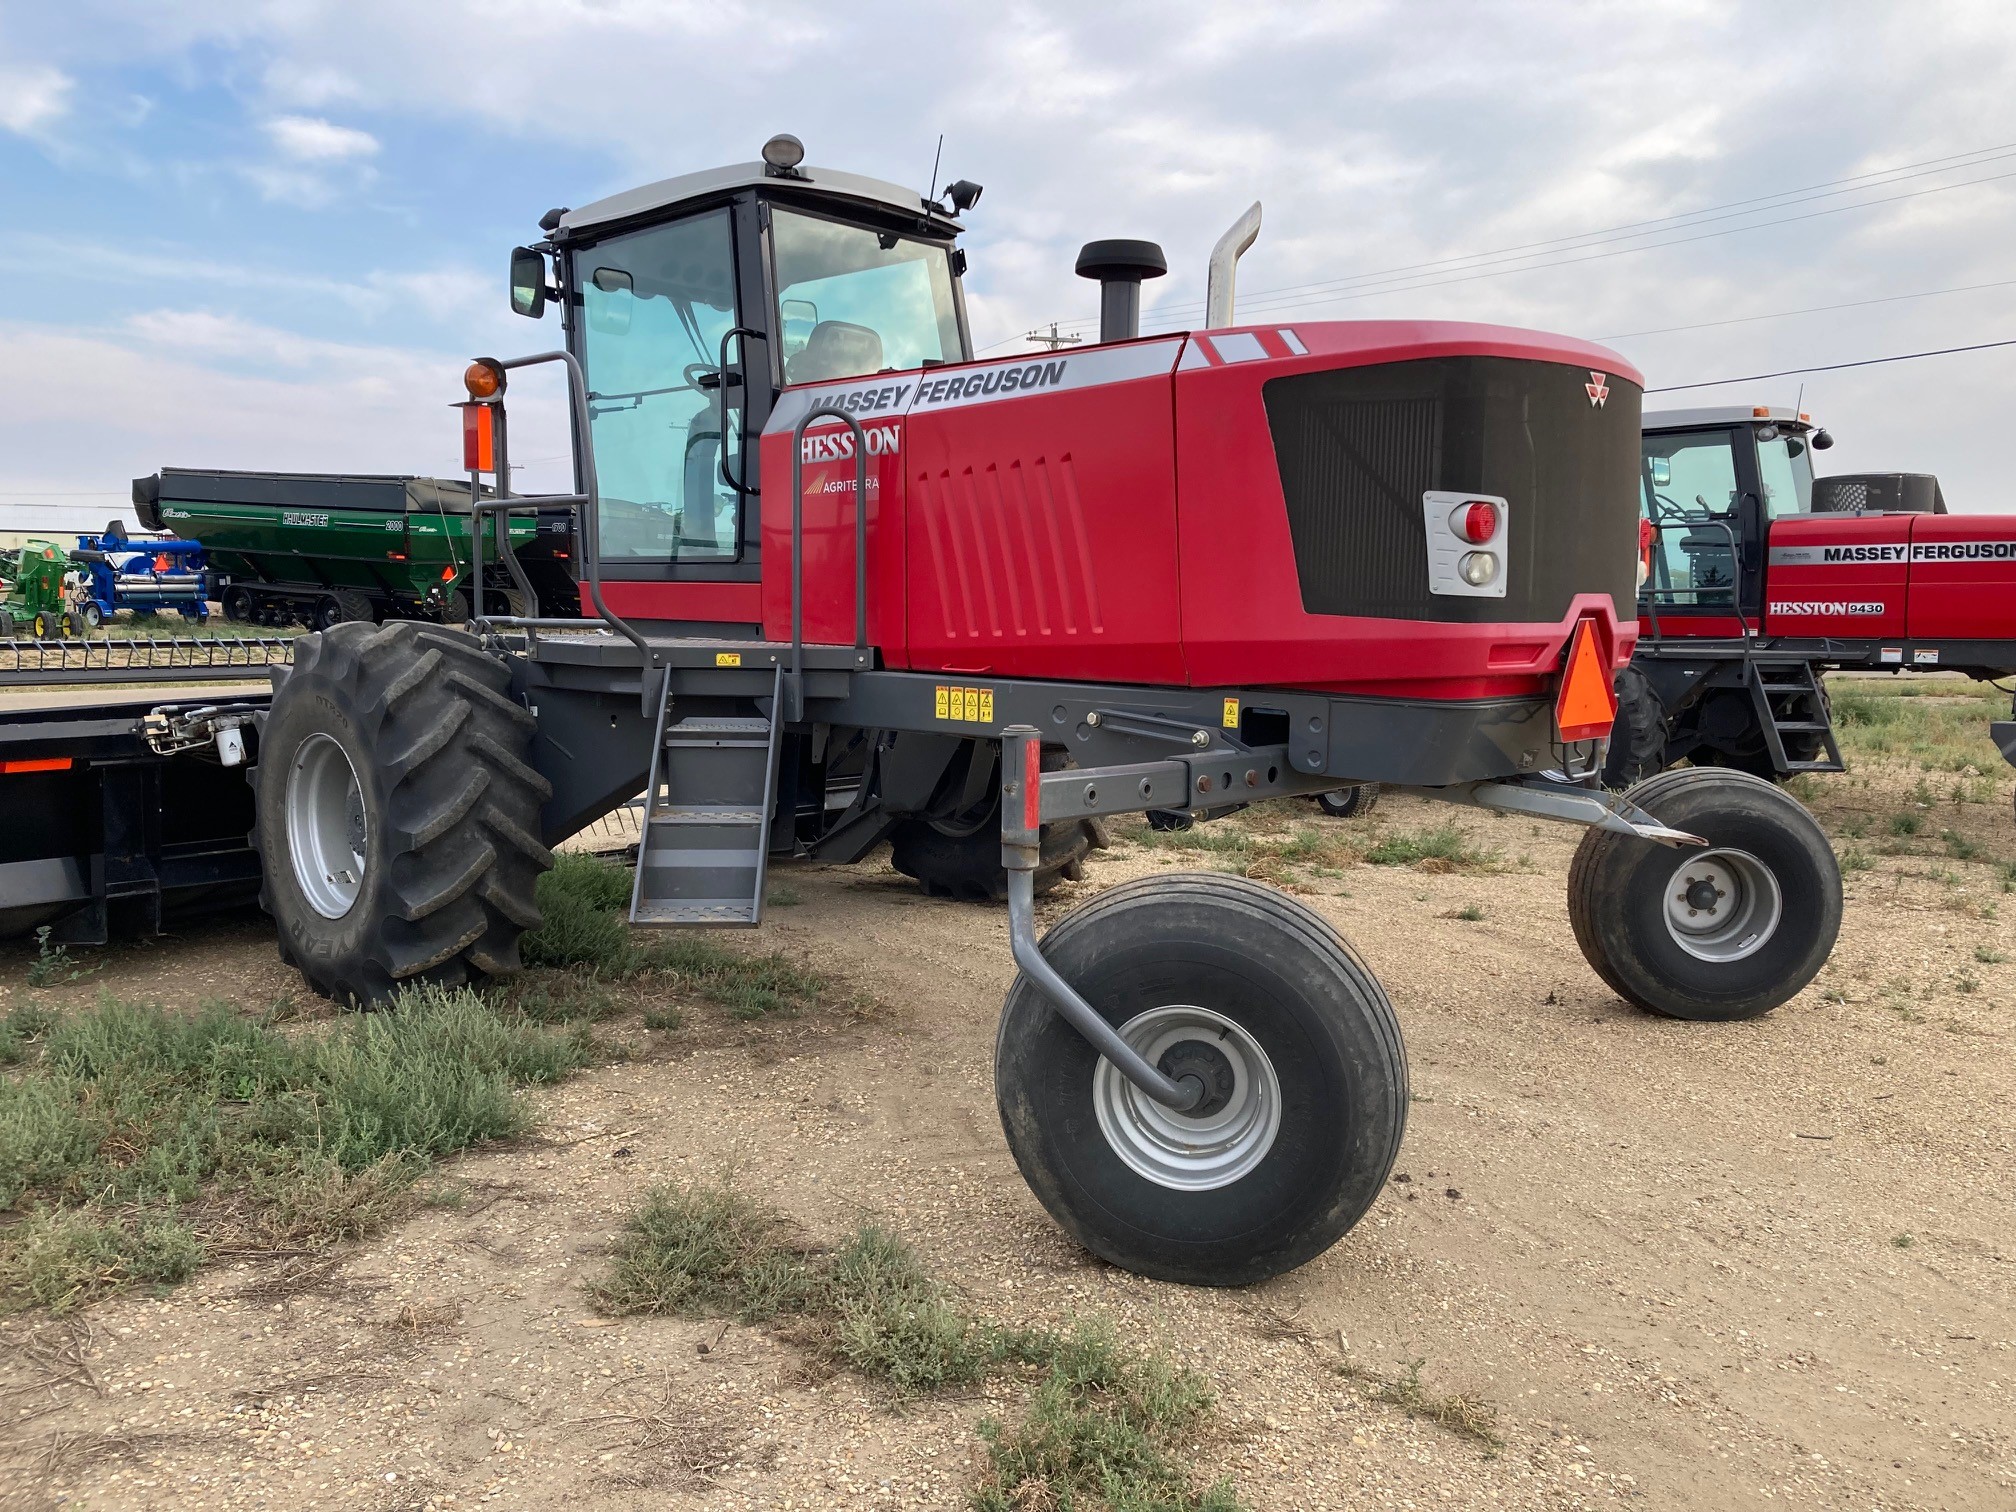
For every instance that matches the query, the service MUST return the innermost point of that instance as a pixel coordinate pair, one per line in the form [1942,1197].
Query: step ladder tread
[719,726]
[1801,726]
[700,813]
[696,911]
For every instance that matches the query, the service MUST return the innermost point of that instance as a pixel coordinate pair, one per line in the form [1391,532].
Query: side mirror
[609,304]
[528,282]
[1821,440]
[1662,472]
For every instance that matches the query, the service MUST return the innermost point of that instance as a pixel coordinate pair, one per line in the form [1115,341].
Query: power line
[1166,315]
[1830,367]
[1853,304]
[1678,241]
[1632,229]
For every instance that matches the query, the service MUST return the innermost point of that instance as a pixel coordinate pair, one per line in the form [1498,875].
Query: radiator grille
[1357,448]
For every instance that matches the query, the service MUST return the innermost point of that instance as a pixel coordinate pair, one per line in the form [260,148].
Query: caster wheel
[1725,931]
[1298,1048]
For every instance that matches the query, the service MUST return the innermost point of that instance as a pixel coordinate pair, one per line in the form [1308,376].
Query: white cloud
[309,139]
[34,97]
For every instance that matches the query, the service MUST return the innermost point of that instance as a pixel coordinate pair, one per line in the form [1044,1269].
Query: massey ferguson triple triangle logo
[1597,389]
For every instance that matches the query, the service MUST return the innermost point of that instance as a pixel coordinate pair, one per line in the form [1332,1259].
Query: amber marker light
[484,378]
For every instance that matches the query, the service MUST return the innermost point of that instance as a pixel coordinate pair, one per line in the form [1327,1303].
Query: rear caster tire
[91,615]
[237,605]
[398,817]
[326,614]
[1350,802]
[1724,933]
[41,625]
[1227,979]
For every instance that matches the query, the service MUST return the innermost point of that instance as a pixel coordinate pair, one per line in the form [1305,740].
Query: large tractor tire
[1638,737]
[1224,979]
[962,859]
[398,817]
[1726,931]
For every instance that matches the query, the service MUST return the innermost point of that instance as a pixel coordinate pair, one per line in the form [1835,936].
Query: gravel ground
[1689,1266]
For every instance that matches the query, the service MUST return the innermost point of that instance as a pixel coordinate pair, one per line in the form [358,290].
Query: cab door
[1698,488]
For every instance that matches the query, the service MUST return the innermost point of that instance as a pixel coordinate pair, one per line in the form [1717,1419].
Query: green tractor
[33,596]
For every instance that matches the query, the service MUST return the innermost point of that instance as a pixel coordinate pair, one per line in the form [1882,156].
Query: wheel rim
[1178,1150]
[325,826]
[1722,905]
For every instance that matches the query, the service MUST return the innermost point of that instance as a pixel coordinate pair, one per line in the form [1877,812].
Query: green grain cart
[323,548]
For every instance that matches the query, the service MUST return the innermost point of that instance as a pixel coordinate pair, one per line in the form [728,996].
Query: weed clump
[1466,1416]
[1439,847]
[1105,1423]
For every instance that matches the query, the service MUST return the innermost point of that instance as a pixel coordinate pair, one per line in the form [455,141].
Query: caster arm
[1542,797]
[1021,825]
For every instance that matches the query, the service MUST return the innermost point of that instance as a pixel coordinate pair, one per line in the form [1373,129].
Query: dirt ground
[1691,1266]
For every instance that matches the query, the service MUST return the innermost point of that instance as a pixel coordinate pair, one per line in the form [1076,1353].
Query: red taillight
[37,764]
[1476,522]
[395,556]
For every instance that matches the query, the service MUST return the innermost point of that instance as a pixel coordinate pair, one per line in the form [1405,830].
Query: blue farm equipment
[117,572]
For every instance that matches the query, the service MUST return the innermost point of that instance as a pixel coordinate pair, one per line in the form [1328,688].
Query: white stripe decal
[1294,342]
[892,396]
[1238,346]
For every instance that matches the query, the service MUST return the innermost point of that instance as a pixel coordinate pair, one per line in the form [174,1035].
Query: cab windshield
[1785,465]
[853,301]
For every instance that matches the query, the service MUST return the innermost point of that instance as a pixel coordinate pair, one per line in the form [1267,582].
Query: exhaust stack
[1120,266]
[1224,269]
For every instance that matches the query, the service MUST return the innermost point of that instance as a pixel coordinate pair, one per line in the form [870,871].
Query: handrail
[588,502]
[742,489]
[825,412]
[1735,584]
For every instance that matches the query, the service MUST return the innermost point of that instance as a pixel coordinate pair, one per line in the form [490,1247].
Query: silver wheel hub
[1236,1123]
[326,826]
[1722,905]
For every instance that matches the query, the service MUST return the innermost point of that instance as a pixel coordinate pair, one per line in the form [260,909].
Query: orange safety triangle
[1587,704]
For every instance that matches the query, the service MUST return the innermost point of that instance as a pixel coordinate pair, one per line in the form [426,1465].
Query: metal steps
[1789,702]
[706,840]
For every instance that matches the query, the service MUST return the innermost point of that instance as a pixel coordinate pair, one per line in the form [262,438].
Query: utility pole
[1053,340]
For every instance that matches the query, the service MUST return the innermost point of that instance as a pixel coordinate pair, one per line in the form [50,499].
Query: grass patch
[585,901]
[133,1138]
[1438,847]
[1854,859]
[21,1028]
[1906,823]
[1940,726]
[1469,913]
[1989,957]
[1106,1423]
[1466,1416]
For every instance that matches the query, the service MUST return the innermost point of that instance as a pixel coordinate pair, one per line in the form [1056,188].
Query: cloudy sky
[268,233]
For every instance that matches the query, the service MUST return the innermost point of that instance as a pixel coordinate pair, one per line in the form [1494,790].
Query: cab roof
[806,181]
[1726,414]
